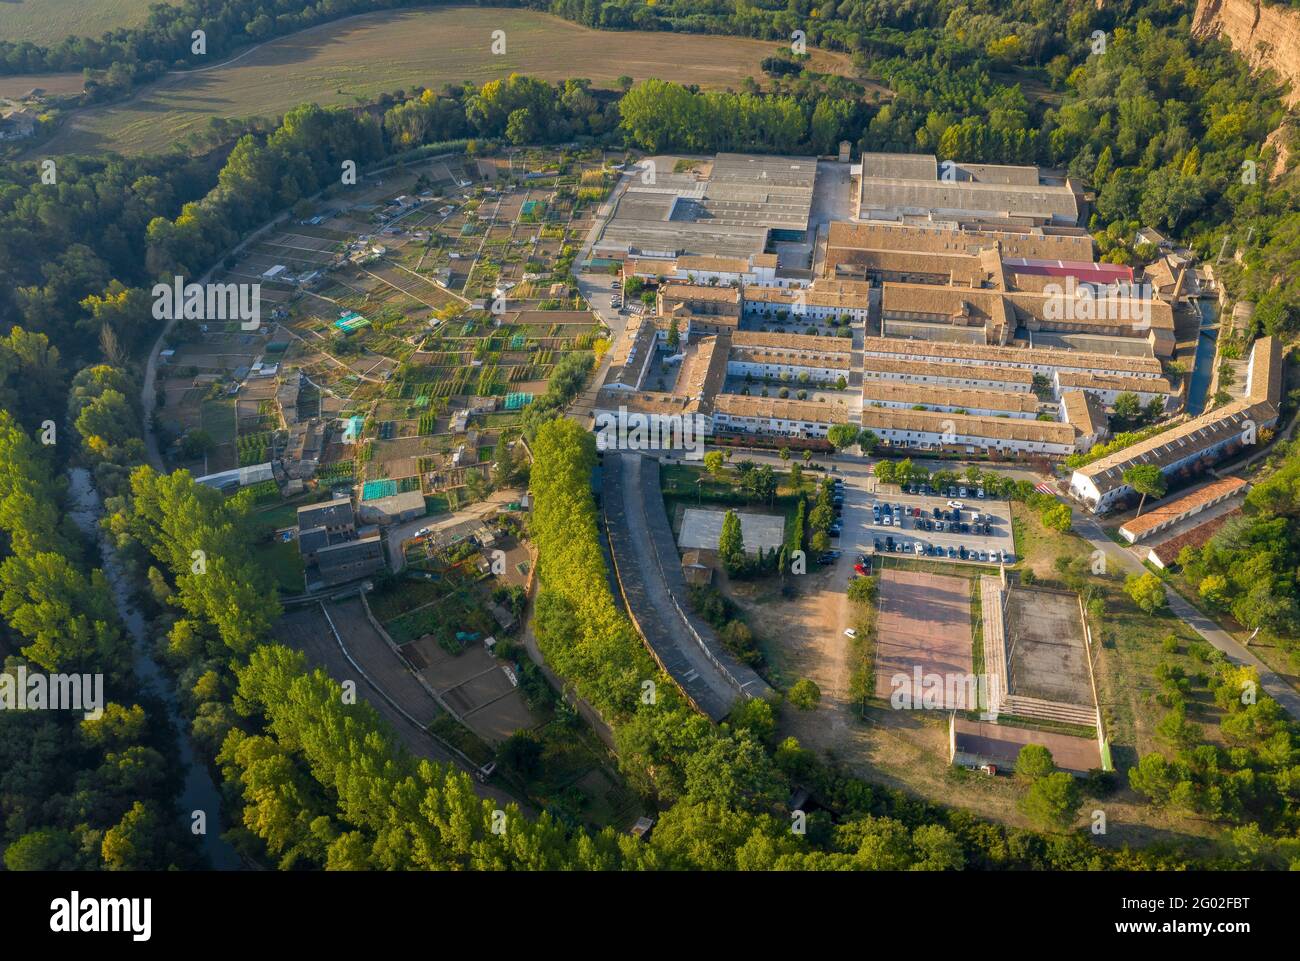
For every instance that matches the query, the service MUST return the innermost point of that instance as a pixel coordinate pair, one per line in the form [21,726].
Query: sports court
[923,622]
[702,527]
[1046,655]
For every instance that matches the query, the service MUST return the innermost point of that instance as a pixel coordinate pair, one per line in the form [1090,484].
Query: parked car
[952,552]
[961,552]
[850,632]
[979,492]
[961,492]
[956,505]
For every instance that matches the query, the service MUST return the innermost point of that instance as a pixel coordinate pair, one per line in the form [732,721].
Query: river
[199,793]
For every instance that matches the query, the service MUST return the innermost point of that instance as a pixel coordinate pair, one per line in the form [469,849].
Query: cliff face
[1267,36]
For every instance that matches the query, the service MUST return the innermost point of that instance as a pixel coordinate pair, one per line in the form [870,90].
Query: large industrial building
[732,208]
[919,187]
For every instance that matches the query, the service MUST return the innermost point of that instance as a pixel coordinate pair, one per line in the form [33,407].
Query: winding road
[1277,688]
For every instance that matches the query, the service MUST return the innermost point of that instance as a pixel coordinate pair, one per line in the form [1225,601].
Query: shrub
[804,694]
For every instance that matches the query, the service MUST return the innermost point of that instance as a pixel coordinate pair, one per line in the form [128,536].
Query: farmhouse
[333,550]
[17,124]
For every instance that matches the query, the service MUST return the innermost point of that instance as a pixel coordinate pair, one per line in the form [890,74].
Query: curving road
[1278,689]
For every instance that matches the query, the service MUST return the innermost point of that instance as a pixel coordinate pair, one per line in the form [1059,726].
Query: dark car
[952,552]
[961,552]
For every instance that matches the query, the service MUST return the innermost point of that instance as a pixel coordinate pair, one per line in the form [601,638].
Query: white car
[956,505]
[850,632]
[422,532]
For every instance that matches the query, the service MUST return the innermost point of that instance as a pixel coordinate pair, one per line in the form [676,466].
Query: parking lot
[908,520]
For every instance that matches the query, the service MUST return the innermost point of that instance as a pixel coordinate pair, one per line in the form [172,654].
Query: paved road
[1277,688]
[649,595]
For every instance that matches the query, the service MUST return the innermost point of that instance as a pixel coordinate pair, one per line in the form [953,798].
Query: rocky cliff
[1267,36]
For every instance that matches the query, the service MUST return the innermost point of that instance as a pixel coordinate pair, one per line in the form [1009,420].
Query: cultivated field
[48,21]
[363,56]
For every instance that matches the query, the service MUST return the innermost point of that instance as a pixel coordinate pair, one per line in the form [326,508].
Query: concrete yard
[1047,658]
[701,528]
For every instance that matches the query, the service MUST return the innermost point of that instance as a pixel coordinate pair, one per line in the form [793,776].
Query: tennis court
[923,625]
